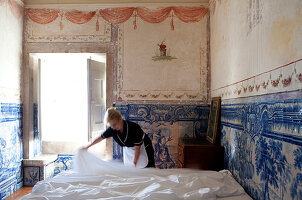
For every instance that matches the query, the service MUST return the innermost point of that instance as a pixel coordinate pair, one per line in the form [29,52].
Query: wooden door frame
[58,47]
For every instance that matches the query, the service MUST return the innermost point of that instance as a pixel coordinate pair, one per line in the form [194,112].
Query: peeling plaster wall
[11,151]
[255,47]
[175,86]
[256,67]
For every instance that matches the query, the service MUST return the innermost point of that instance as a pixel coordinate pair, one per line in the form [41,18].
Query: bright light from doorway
[64,102]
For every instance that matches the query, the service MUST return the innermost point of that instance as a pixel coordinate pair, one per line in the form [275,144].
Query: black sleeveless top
[132,135]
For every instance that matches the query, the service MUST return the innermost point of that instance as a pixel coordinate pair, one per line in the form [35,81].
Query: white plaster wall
[11,28]
[250,38]
[138,76]
[182,78]
[10,54]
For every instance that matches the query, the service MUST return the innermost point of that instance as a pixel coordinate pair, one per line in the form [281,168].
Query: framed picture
[213,119]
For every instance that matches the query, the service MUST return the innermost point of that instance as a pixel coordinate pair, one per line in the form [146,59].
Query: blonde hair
[112,114]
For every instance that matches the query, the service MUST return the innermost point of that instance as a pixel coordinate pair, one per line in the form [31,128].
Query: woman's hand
[136,154]
[134,163]
[99,139]
[84,148]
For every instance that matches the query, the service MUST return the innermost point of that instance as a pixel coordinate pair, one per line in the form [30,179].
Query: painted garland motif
[280,81]
[118,15]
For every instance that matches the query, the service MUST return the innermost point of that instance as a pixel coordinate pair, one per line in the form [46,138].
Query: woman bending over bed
[137,146]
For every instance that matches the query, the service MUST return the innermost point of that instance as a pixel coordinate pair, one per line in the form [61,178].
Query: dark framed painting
[213,119]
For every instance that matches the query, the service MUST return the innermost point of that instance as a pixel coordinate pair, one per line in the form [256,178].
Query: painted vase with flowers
[162,49]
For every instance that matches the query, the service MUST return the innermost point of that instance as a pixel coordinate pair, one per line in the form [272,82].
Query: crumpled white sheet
[93,178]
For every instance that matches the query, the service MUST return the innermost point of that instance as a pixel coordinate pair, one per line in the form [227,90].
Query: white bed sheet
[93,178]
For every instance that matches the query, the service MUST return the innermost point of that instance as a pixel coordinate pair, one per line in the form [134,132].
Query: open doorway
[71,100]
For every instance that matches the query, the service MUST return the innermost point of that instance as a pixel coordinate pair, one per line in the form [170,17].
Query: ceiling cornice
[34,3]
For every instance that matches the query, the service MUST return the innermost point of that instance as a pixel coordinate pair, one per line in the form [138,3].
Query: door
[96,97]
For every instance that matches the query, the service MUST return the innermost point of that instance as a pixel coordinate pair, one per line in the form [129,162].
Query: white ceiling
[111,2]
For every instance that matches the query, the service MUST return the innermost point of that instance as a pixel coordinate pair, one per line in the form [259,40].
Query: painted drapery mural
[118,15]
[185,74]
[164,124]
[141,78]
[53,25]
[95,25]
[11,109]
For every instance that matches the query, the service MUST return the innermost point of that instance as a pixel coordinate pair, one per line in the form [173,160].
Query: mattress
[93,178]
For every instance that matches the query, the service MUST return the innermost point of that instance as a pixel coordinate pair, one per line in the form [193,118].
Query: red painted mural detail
[120,15]
[190,14]
[79,17]
[264,84]
[273,82]
[42,15]
[300,77]
[213,5]
[286,82]
[277,82]
[117,15]
[15,8]
[153,15]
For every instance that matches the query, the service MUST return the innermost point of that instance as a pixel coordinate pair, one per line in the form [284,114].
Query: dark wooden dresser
[199,154]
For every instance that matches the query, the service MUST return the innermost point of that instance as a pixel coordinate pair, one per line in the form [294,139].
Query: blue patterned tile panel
[262,138]
[10,112]
[37,172]
[11,148]
[171,113]
[32,174]
[164,124]
[37,149]
[49,170]
[9,186]
[63,163]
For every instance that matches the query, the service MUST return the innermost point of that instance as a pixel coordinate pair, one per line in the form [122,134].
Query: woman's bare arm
[136,154]
[99,139]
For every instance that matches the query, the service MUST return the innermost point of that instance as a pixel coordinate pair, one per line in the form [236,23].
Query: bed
[93,178]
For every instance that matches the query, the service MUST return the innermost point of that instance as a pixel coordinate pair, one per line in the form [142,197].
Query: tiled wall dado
[33,174]
[165,124]
[262,137]
[256,68]
[11,151]
[37,137]
[38,172]
[63,163]
[11,108]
